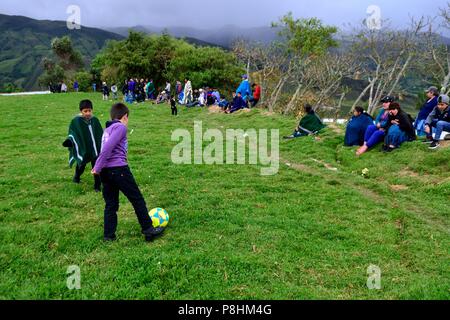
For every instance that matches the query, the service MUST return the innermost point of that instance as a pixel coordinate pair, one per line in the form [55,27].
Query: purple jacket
[114,147]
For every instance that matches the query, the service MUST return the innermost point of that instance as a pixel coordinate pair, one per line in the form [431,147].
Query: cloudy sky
[206,14]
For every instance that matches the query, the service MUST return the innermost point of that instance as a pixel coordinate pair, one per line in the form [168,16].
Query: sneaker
[153,233]
[435,145]
[289,137]
[428,140]
[447,137]
[76,180]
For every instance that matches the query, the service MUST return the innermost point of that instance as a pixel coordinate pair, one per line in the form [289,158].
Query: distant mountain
[25,41]
[223,36]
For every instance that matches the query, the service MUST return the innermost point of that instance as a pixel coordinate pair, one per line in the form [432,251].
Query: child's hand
[94,173]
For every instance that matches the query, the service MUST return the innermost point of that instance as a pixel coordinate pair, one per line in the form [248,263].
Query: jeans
[373,136]
[79,170]
[121,179]
[395,136]
[441,126]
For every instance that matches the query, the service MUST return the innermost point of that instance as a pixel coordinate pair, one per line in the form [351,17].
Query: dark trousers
[174,111]
[121,179]
[79,170]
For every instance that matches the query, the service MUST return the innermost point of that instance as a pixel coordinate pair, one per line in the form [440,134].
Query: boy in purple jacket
[112,166]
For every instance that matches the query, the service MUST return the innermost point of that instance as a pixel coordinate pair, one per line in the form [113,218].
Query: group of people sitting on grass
[392,126]
[246,95]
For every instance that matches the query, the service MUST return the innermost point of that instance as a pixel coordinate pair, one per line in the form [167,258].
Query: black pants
[174,111]
[79,170]
[121,179]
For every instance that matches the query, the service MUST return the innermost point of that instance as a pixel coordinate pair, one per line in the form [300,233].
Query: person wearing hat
[439,119]
[376,133]
[432,102]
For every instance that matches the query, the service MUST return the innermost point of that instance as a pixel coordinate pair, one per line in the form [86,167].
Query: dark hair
[118,111]
[86,104]
[308,108]
[395,106]
[359,109]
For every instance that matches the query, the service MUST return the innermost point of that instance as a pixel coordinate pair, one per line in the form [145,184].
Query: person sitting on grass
[112,167]
[238,103]
[432,96]
[357,126]
[223,103]
[439,119]
[399,128]
[310,124]
[376,133]
[84,142]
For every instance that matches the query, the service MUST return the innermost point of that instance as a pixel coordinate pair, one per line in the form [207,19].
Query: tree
[308,41]
[386,56]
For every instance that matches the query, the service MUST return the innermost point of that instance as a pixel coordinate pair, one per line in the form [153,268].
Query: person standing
[76,86]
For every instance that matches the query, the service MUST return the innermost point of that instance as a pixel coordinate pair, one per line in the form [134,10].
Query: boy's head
[239,94]
[308,108]
[234,94]
[358,111]
[120,112]
[86,109]
[443,102]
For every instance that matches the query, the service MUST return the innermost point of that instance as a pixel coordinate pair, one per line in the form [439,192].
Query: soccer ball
[160,217]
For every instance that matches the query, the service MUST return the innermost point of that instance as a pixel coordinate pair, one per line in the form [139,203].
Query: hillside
[221,36]
[26,41]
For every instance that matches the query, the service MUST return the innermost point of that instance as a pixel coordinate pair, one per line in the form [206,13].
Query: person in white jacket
[187,92]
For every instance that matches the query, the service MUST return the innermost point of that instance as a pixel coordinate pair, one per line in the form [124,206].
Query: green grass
[307,233]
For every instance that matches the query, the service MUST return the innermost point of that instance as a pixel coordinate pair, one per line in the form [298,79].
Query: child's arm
[108,146]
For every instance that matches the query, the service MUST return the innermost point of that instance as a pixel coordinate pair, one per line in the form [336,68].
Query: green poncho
[311,122]
[86,137]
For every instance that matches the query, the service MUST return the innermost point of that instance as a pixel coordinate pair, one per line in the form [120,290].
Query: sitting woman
[310,124]
[375,133]
[162,97]
[399,128]
[357,126]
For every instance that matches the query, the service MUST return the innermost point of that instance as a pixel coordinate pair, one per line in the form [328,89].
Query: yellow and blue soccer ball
[160,217]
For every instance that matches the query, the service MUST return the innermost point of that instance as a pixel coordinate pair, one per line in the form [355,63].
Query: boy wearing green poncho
[84,142]
[310,124]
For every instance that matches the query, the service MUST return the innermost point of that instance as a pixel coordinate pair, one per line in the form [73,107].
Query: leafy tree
[166,58]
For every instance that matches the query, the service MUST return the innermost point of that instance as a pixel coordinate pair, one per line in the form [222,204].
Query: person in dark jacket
[439,119]
[357,126]
[238,103]
[428,107]
[399,128]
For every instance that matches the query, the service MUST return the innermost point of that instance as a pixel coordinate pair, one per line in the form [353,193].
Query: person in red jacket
[256,88]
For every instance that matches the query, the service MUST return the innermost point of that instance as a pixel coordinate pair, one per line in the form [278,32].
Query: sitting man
[310,124]
[238,103]
[439,119]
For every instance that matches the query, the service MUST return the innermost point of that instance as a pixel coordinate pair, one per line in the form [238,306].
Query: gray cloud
[208,14]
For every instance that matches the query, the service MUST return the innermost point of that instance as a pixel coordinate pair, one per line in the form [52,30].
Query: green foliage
[69,58]
[165,58]
[55,74]
[205,66]
[84,80]
[307,37]
[10,88]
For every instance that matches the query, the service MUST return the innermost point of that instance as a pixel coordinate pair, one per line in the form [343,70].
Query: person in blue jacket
[245,89]
[357,126]
[428,107]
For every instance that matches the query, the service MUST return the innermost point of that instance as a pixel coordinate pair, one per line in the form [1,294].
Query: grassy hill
[310,232]
[26,41]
